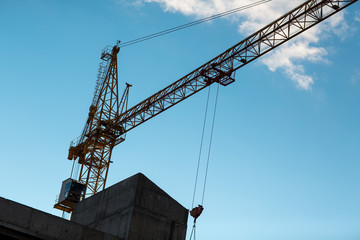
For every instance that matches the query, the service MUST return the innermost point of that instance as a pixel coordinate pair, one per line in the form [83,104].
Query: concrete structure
[134,209]
[20,222]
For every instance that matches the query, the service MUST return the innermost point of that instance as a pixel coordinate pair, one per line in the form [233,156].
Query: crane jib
[221,69]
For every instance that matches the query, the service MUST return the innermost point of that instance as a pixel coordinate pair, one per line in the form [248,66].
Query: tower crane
[109,119]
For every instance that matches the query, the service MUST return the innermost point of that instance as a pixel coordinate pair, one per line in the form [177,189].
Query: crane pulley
[109,119]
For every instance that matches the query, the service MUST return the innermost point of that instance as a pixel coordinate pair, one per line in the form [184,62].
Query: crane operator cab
[71,192]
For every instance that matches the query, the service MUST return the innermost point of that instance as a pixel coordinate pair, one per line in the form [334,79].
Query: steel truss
[94,147]
[106,127]
[222,68]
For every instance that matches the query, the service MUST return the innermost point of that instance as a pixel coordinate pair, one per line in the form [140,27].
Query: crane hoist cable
[201,146]
[196,212]
[183,26]
[200,150]
[210,145]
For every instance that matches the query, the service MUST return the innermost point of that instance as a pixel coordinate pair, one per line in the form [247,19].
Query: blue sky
[285,159]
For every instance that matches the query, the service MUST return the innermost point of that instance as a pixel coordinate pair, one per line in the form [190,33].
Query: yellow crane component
[109,119]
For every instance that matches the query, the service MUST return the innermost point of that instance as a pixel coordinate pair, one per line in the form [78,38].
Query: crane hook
[196,211]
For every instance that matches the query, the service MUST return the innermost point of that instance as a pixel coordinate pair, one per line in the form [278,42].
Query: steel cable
[170,30]
[210,144]
[201,143]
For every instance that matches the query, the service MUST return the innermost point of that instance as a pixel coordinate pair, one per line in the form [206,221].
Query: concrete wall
[134,209]
[18,221]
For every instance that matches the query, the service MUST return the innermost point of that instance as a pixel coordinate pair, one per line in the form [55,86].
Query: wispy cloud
[135,3]
[199,8]
[357,17]
[290,58]
[355,78]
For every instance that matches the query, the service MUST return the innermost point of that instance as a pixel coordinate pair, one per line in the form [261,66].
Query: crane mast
[94,147]
[107,125]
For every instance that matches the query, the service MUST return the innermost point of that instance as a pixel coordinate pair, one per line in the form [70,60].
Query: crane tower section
[93,148]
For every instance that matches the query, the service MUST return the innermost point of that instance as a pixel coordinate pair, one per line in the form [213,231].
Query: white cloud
[357,17]
[195,7]
[338,26]
[288,57]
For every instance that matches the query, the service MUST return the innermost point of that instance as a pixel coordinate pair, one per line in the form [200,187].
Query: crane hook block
[196,211]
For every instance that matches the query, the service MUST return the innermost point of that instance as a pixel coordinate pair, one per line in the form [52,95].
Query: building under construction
[134,208]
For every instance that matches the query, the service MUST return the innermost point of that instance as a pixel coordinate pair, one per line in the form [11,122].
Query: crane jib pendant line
[109,119]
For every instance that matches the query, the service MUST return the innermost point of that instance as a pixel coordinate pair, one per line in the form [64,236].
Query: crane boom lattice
[222,68]
[109,120]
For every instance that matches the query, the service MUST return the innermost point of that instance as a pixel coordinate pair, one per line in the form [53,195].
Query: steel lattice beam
[221,69]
